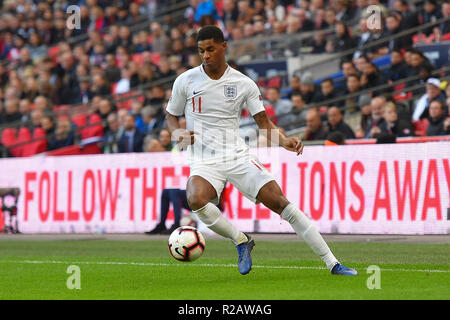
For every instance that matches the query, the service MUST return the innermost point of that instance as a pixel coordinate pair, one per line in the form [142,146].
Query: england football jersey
[212,109]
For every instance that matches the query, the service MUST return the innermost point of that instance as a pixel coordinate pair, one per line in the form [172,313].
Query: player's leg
[272,197]
[200,193]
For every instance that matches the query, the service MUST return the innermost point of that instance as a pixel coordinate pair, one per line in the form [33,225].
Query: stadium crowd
[46,65]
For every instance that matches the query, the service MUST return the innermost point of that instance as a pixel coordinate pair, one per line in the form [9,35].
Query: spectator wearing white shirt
[433,92]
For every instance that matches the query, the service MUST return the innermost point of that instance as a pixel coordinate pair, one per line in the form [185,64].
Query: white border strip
[150,264]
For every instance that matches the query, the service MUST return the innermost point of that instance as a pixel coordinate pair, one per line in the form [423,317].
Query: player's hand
[293,144]
[184,138]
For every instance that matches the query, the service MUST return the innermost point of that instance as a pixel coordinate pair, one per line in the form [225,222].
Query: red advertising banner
[365,189]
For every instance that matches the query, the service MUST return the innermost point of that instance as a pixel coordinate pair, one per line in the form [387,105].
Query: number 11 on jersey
[198,104]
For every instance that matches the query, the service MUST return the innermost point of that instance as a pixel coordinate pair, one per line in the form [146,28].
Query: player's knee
[196,200]
[279,204]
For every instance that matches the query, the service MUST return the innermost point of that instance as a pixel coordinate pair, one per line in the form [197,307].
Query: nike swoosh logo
[176,249]
[197,92]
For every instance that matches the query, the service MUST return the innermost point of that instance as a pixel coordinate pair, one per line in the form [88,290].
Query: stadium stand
[128,54]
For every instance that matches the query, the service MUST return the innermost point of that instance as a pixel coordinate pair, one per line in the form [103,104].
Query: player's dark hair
[210,32]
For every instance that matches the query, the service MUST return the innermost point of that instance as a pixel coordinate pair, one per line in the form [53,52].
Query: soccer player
[210,97]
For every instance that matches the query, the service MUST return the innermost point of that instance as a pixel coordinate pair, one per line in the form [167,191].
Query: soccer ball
[186,244]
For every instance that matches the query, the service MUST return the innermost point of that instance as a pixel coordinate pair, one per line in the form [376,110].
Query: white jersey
[213,108]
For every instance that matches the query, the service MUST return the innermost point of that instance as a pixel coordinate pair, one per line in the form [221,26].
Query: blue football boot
[339,269]
[245,259]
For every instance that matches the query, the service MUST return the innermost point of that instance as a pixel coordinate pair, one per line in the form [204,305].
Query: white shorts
[247,174]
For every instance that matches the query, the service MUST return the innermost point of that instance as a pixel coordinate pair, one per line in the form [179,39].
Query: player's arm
[175,108]
[274,134]
[182,136]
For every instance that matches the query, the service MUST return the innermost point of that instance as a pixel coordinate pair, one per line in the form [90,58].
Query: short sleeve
[254,100]
[177,101]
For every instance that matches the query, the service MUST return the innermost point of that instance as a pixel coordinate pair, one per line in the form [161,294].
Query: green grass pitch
[117,269]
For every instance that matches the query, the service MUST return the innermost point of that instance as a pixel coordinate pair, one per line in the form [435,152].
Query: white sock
[308,232]
[211,216]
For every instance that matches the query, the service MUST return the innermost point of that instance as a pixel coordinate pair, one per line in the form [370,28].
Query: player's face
[212,53]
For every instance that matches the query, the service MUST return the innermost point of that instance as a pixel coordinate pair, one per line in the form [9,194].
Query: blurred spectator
[42,103]
[205,7]
[344,41]
[320,22]
[444,27]
[123,85]
[433,92]
[362,39]
[246,12]
[111,138]
[430,12]
[160,41]
[85,89]
[132,139]
[416,61]
[377,111]
[394,26]
[381,48]
[164,69]
[399,68]
[165,139]
[25,111]
[12,113]
[314,128]
[335,138]
[36,119]
[353,85]
[105,109]
[281,106]
[336,123]
[69,90]
[294,85]
[297,115]
[63,135]
[153,145]
[36,48]
[327,92]
[230,12]
[48,124]
[373,78]
[344,11]
[385,138]
[305,23]
[112,71]
[364,102]
[273,8]
[307,87]
[155,96]
[409,15]
[393,125]
[100,85]
[437,118]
